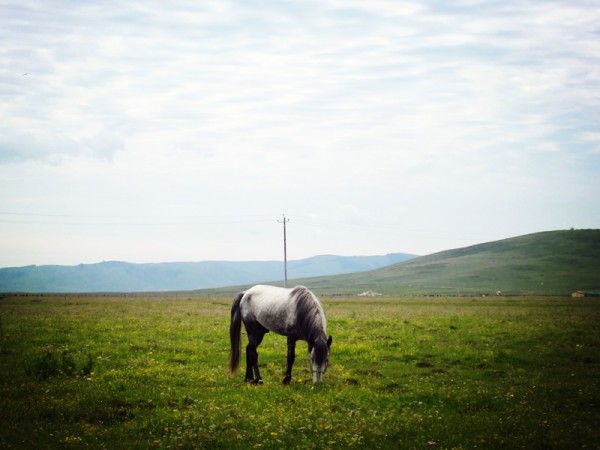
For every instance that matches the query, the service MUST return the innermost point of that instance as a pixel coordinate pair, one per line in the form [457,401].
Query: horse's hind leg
[250,355]
[256,332]
[252,372]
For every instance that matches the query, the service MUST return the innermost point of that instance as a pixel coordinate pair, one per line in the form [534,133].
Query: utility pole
[284,221]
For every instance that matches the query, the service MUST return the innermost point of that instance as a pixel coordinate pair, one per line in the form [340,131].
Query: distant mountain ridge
[117,276]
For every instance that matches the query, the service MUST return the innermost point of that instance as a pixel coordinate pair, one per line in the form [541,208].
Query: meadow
[137,372]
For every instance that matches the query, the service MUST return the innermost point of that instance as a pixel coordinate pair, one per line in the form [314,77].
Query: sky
[151,131]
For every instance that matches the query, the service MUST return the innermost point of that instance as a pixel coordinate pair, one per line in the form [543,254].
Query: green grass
[405,373]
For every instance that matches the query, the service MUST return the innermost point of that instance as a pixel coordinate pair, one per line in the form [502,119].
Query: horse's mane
[310,321]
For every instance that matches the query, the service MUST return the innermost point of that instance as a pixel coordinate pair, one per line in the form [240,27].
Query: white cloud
[400,112]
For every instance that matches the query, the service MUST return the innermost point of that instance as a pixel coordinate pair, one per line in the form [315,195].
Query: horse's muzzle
[318,377]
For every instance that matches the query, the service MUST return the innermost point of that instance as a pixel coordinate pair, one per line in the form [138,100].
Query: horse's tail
[235,333]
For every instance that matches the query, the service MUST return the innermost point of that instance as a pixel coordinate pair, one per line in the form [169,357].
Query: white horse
[295,313]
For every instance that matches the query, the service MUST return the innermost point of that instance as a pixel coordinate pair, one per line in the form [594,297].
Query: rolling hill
[115,276]
[547,263]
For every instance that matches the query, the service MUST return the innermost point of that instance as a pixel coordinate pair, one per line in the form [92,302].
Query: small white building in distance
[369,294]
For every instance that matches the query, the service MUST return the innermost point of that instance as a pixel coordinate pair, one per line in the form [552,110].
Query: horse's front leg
[291,357]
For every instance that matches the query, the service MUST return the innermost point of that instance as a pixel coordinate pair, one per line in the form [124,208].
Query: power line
[139,216]
[390,229]
[129,220]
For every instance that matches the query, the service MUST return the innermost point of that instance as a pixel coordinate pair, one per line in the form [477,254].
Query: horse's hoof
[259,381]
[287,380]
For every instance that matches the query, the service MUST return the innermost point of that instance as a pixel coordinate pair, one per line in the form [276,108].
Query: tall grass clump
[48,364]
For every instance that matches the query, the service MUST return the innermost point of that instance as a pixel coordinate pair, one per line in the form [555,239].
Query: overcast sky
[150,131]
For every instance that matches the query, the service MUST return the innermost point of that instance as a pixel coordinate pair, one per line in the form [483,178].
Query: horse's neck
[314,329]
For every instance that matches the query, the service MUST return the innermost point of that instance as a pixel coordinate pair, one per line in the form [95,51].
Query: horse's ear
[329,342]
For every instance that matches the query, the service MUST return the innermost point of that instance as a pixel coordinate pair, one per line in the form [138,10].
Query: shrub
[49,365]
[44,366]
[67,364]
[86,370]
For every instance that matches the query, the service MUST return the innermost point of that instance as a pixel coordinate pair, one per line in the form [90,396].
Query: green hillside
[547,263]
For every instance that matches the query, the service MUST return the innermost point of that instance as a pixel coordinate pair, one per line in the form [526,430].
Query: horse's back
[271,306]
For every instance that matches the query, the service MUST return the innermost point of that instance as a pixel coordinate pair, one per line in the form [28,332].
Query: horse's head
[319,358]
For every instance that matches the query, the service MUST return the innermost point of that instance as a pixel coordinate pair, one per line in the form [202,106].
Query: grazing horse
[295,313]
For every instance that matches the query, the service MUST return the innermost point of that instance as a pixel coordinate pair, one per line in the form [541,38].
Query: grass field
[136,372]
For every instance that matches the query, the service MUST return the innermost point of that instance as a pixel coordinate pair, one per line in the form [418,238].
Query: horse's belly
[276,321]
